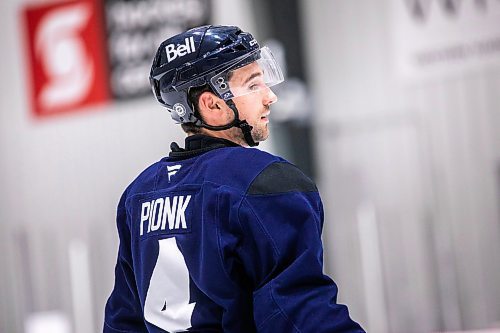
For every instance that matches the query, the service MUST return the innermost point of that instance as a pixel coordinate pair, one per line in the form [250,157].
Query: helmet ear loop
[195,110]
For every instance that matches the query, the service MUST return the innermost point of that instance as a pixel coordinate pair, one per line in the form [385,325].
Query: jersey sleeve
[281,217]
[123,312]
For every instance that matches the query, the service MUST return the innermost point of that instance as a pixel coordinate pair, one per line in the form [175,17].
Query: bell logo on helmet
[180,109]
[181,50]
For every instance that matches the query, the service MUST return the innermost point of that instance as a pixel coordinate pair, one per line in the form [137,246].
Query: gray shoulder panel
[281,177]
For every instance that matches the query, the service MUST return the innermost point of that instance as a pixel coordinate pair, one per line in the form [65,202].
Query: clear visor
[248,75]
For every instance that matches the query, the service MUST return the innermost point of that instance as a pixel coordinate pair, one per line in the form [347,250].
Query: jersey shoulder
[281,177]
[255,172]
[236,167]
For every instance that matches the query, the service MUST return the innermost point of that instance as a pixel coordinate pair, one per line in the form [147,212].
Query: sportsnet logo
[181,50]
[67,67]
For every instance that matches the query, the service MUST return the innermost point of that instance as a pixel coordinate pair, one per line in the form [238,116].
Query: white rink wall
[409,159]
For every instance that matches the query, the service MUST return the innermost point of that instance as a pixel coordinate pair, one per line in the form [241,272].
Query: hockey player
[219,237]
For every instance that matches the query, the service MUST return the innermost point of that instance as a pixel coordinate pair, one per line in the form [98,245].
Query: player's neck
[230,134]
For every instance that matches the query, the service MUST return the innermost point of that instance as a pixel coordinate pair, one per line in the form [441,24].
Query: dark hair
[193,98]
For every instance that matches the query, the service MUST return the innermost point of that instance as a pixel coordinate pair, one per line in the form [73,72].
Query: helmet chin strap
[243,125]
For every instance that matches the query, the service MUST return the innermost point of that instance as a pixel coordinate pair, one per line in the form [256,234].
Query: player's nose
[270,97]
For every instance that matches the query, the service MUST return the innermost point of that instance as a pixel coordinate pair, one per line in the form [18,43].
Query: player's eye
[256,84]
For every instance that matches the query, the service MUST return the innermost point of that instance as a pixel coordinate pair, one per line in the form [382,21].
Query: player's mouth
[265,117]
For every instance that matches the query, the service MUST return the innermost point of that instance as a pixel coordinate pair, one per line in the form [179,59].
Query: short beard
[258,135]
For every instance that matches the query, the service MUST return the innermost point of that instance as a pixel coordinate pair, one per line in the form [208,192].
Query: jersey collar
[198,144]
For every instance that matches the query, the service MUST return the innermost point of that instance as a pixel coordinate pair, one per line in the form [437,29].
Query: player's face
[254,106]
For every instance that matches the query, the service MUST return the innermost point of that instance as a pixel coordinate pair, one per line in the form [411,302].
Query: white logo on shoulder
[173,52]
[172,170]
[162,210]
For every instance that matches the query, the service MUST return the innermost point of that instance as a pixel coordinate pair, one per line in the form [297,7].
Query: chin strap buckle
[242,125]
[247,133]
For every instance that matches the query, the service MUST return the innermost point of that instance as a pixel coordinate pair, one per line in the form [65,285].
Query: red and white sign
[67,60]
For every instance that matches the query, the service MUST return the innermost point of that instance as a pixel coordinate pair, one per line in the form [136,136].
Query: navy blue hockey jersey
[221,238]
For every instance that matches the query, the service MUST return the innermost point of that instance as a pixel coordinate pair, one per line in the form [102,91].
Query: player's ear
[206,101]
[209,105]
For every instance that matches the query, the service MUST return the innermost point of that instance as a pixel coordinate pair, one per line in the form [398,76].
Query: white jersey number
[167,301]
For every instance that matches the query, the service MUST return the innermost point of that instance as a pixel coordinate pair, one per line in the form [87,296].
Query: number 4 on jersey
[167,301]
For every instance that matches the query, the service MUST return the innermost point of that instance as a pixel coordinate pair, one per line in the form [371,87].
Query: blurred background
[392,106]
